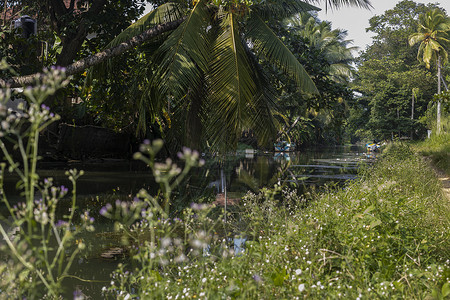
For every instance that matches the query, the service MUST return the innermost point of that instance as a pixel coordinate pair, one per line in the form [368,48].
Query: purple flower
[60,223]
[103,211]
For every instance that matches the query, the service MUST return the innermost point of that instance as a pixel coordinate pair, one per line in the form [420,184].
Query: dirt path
[445,179]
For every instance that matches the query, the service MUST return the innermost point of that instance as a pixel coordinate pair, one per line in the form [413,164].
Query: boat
[373,147]
[284,146]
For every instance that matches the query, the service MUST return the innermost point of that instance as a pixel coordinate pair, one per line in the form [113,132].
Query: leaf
[278,278]
[268,44]
[446,290]
[164,13]
[368,209]
[375,223]
[232,85]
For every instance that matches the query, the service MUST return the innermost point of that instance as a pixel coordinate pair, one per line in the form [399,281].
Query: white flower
[204,280]
[301,287]
[127,297]
[298,272]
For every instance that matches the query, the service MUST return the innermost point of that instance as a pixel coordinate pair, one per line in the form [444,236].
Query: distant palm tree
[433,29]
[331,44]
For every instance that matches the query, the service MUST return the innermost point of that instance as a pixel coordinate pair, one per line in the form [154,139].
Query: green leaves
[433,28]
[231,84]
[267,43]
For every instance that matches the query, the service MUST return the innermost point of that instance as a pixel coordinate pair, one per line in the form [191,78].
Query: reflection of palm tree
[262,174]
[432,35]
[209,66]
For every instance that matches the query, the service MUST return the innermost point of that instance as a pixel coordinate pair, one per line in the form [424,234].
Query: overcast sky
[356,20]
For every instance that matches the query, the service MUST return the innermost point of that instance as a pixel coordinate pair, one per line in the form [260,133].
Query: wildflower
[257,278]
[301,287]
[298,272]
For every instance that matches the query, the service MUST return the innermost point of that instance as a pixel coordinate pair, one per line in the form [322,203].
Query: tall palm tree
[433,29]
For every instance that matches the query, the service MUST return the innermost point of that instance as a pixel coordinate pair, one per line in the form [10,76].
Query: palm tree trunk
[438,121]
[412,114]
[92,60]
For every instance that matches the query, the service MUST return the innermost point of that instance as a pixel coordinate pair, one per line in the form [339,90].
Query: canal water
[237,173]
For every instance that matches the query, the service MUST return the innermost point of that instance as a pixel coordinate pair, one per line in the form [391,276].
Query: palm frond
[416,38]
[267,43]
[164,13]
[184,55]
[283,8]
[232,87]
[332,4]
[263,121]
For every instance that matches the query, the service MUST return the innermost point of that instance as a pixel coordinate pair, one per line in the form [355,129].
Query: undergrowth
[384,236]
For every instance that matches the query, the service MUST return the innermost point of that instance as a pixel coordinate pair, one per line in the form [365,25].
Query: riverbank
[437,151]
[384,236]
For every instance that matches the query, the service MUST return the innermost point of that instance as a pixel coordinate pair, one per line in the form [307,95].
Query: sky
[356,20]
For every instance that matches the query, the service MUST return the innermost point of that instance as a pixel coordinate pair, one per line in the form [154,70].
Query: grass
[386,236]
[438,149]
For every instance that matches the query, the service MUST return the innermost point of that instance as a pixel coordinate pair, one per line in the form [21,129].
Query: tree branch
[92,60]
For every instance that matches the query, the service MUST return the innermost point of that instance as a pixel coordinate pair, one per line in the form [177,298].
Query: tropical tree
[433,29]
[388,71]
[209,67]
[329,43]
[327,58]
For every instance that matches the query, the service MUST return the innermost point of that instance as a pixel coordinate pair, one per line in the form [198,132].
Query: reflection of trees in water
[258,173]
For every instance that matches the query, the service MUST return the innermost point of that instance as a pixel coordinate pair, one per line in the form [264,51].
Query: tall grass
[438,149]
[384,236]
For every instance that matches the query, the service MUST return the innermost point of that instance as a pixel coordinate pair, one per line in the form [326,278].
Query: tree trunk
[92,60]
[438,121]
[412,113]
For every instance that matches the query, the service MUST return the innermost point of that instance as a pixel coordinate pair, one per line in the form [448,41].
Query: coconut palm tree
[328,43]
[209,66]
[433,29]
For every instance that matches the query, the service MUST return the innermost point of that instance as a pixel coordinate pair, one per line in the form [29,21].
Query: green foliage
[205,83]
[433,36]
[388,74]
[326,55]
[385,235]
[438,148]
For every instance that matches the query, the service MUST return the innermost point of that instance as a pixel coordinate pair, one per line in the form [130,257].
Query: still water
[235,174]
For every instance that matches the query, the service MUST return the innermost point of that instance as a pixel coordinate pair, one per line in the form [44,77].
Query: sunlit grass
[438,149]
